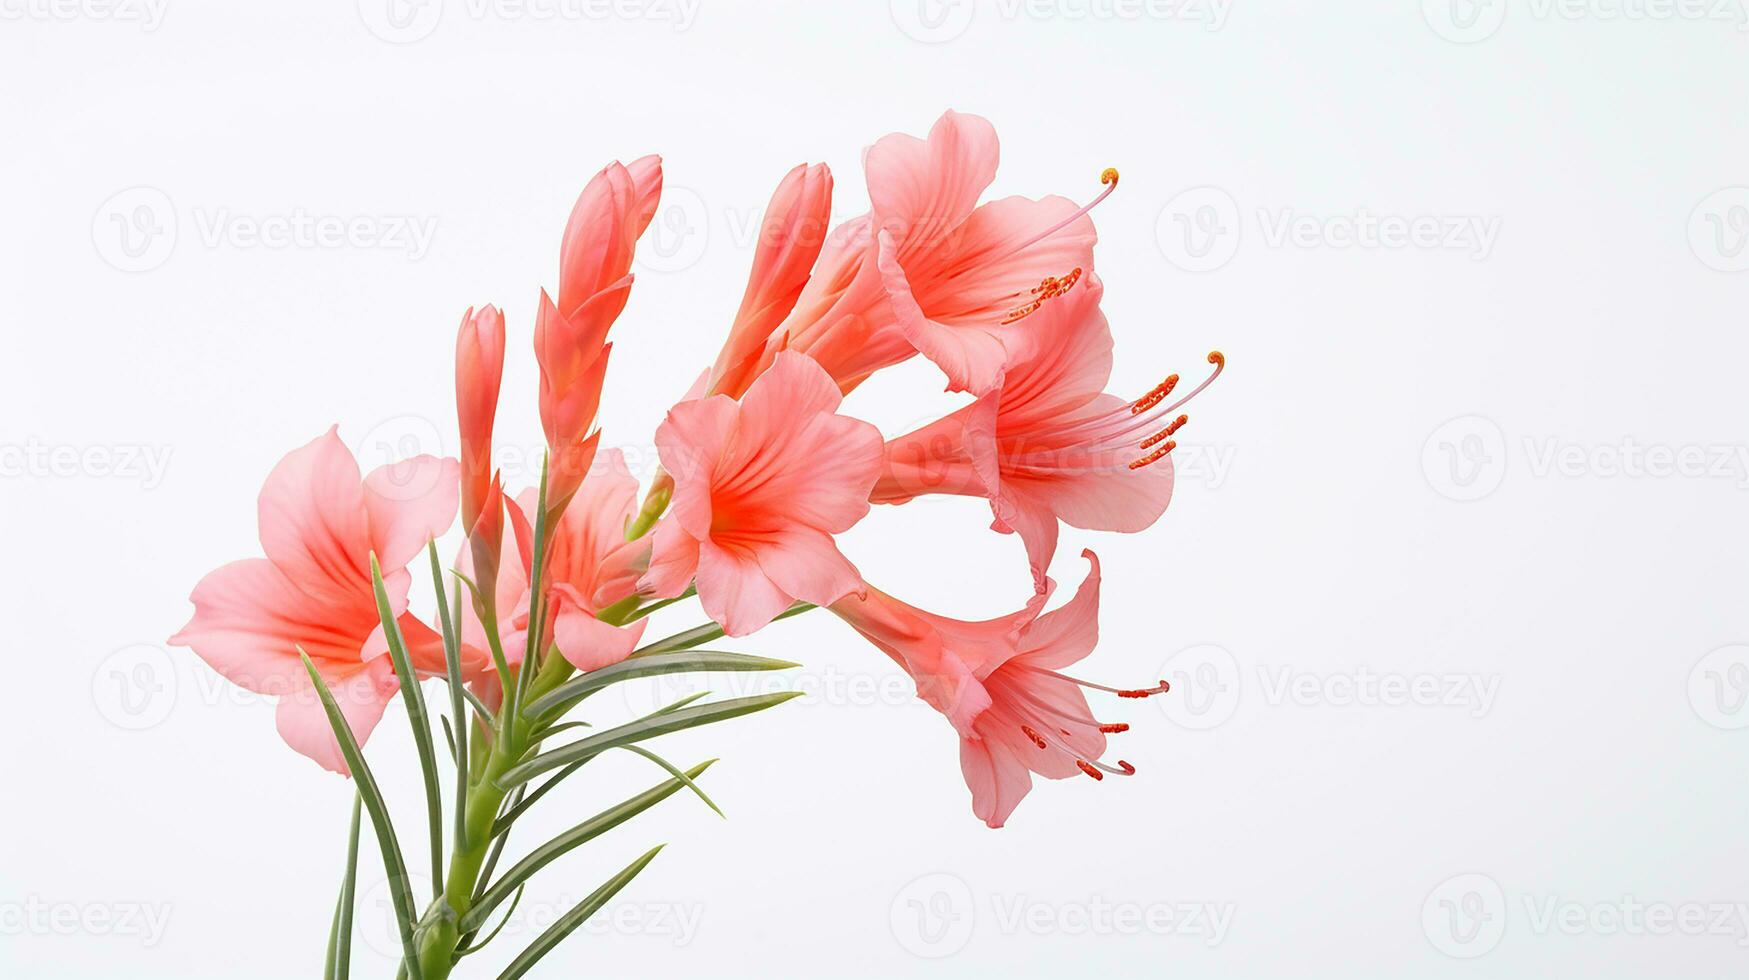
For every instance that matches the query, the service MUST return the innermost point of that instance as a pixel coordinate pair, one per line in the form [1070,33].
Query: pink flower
[928,269]
[570,336]
[479,369]
[1049,444]
[590,566]
[760,487]
[998,682]
[790,238]
[320,523]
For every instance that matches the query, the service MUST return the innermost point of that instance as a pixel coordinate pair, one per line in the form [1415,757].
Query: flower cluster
[760,471]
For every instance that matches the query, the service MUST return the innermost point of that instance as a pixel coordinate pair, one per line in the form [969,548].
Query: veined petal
[736,592]
[408,504]
[362,693]
[312,517]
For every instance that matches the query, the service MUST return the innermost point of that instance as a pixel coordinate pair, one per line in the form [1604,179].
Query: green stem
[438,944]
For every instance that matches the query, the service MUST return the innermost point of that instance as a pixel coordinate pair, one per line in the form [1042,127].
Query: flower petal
[674,560]
[972,357]
[250,619]
[587,642]
[362,693]
[996,777]
[312,517]
[410,503]
[806,564]
[922,190]
[736,592]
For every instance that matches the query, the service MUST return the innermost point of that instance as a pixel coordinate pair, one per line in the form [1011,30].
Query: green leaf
[489,623]
[400,891]
[415,700]
[452,670]
[569,922]
[704,634]
[581,834]
[677,774]
[577,688]
[521,804]
[537,613]
[473,947]
[637,731]
[339,965]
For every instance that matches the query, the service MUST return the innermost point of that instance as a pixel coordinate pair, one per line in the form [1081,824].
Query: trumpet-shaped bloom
[1049,444]
[760,487]
[570,335]
[320,523]
[999,683]
[928,269]
[590,566]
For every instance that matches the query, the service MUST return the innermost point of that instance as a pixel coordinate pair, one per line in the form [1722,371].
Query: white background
[1562,559]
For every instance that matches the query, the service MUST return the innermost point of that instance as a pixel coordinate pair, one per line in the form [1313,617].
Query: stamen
[1219,360]
[1177,423]
[1125,770]
[1114,729]
[1108,177]
[1050,288]
[1089,770]
[1156,396]
[1161,688]
[1037,739]
[1155,456]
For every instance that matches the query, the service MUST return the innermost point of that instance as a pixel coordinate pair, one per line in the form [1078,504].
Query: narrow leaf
[584,832]
[577,688]
[416,714]
[400,891]
[452,669]
[339,965]
[677,774]
[704,634]
[569,922]
[637,731]
[472,948]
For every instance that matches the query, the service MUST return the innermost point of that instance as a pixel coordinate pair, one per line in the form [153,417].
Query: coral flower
[999,683]
[790,237]
[760,487]
[320,523]
[928,269]
[479,370]
[1050,444]
[570,335]
[590,566]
